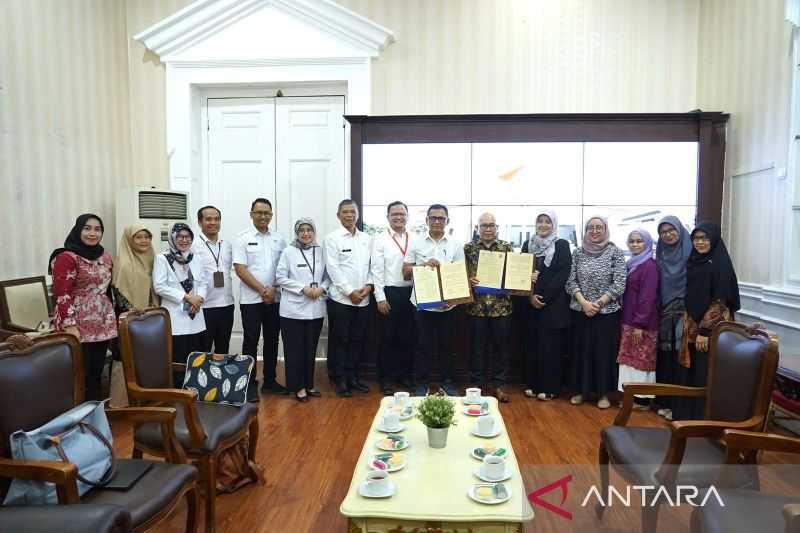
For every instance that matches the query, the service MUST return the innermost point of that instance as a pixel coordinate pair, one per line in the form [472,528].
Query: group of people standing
[593,320]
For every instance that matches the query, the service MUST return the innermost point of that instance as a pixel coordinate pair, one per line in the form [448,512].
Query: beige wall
[534,56]
[64,138]
[745,69]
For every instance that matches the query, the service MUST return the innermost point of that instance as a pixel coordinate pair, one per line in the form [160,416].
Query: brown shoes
[501,396]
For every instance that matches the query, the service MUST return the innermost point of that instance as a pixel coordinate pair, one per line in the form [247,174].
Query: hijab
[636,260]
[546,245]
[184,258]
[297,243]
[73,242]
[671,259]
[710,276]
[591,248]
[133,271]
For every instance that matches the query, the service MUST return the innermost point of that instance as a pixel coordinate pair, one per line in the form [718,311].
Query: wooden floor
[309,451]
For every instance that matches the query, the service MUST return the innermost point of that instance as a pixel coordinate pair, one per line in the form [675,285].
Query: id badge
[313,284]
[219,280]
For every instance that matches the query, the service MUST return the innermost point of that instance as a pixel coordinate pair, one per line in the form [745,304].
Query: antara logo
[650,496]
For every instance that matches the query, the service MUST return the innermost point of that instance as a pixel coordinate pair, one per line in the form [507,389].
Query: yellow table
[431,493]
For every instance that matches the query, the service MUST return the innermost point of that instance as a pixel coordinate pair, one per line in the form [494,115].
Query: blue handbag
[80,436]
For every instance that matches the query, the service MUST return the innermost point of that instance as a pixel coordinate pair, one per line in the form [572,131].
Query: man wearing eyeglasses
[435,326]
[490,312]
[255,259]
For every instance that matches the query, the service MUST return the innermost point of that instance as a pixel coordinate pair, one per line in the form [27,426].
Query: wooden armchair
[203,429]
[741,368]
[43,378]
[746,511]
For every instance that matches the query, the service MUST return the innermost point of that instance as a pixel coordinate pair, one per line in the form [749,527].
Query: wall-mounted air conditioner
[157,209]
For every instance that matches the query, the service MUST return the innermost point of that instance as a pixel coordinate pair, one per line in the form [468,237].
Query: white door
[289,150]
[309,159]
[241,168]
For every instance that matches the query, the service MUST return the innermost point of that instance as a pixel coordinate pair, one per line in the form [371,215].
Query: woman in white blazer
[304,282]
[182,289]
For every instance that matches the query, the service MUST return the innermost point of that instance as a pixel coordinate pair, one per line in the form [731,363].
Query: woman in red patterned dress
[81,273]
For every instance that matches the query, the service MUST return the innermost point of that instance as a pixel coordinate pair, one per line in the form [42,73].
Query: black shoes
[314,392]
[342,390]
[358,386]
[301,398]
[386,389]
[274,388]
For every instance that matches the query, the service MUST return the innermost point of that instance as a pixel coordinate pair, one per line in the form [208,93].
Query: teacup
[485,424]
[390,420]
[377,482]
[473,394]
[493,467]
[401,399]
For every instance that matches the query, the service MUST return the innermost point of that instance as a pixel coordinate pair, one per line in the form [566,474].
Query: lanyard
[402,249]
[313,265]
[216,257]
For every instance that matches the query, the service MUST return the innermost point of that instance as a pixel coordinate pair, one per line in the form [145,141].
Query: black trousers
[594,354]
[219,325]
[348,327]
[687,407]
[546,351]
[94,359]
[300,339]
[497,331]
[396,358]
[182,346]
[435,340]
[255,319]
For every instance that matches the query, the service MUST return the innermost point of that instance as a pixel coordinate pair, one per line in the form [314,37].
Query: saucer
[390,490]
[398,429]
[494,501]
[466,411]
[405,443]
[506,475]
[389,468]
[472,402]
[479,458]
[475,432]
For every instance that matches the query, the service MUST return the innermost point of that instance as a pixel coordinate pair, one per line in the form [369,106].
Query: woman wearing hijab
[549,308]
[712,295]
[82,273]
[182,289]
[133,271]
[596,283]
[672,253]
[639,338]
[304,281]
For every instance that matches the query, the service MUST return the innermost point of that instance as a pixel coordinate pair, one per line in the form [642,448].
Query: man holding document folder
[435,324]
[490,312]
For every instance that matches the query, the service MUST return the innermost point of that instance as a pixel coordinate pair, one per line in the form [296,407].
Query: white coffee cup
[391,420]
[377,482]
[401,399]
[473,394]
[485,424]
[493,467]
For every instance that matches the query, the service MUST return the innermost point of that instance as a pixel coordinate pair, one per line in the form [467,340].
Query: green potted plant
[437,413]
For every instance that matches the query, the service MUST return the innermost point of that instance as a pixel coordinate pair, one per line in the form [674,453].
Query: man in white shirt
[393,295]
[435,327]
[255,259]
[216,256]
[347,259]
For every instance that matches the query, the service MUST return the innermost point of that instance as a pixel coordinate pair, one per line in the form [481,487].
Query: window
[632,183]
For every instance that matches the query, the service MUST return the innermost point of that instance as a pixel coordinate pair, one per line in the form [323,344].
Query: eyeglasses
[488,226]
[666,232]
[595,229]
[183,238]
[261,213]
[437,219]
[699,238]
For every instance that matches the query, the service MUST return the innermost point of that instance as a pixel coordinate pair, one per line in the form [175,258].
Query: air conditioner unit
[157,209]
